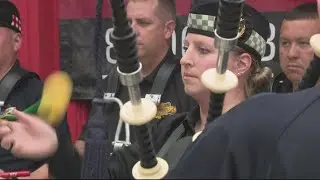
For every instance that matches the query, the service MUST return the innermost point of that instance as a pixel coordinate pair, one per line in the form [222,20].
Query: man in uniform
[154,21]
[298,26]
[18,87]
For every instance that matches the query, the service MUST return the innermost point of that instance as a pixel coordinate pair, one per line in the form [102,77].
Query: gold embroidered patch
[165,109]
[242,27]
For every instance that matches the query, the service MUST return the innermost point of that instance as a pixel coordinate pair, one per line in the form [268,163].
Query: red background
[40,48]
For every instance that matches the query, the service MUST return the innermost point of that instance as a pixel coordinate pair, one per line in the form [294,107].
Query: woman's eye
[185,48]
[203,50]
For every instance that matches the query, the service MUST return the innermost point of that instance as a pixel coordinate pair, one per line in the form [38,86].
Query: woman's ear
[243,64]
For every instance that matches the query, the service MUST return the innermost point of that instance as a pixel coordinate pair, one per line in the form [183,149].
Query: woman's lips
[188,76]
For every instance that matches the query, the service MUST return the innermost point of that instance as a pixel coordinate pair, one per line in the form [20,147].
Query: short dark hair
[169,6]
[165,7]
[302,11]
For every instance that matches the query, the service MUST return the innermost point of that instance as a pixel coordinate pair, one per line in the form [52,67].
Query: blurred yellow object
[56,95]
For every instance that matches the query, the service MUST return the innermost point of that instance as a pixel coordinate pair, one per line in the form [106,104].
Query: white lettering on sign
[109,47]
[271,44]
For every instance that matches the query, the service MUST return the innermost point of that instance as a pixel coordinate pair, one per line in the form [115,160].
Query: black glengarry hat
[9,16]
[202,20]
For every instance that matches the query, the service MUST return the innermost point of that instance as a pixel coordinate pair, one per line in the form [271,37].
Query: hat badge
[242,27]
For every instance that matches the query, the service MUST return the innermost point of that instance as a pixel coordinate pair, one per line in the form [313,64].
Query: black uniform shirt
[22,96]
[174,95]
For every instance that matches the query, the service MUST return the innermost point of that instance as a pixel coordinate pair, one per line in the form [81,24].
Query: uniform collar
[193,117]
[282,84]
[151,77]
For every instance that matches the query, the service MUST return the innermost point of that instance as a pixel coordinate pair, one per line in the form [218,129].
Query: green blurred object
[7,115]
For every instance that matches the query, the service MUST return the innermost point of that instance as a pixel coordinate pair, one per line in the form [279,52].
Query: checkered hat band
[200,21]
[16,22]
[257,42]
[206,23]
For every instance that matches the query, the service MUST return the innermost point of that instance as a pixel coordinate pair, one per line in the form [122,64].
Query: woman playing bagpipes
[200,55]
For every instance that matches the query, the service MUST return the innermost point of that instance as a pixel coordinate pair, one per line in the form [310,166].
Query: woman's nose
[186,59]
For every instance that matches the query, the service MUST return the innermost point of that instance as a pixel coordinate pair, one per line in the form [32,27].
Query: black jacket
[267,136]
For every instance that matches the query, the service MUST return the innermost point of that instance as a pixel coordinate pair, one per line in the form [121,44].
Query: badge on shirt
[165,109]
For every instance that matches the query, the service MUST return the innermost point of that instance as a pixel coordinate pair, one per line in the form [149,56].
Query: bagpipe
[138,111]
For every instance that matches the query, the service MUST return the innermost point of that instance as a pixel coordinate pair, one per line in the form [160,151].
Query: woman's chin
[191,90]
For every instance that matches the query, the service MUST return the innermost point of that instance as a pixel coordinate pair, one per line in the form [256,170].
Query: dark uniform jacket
[267,136]
[174,99]
[23,95]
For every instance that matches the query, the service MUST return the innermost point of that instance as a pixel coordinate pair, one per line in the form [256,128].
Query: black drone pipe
[226,39]
[138,111]
[97,144]
[219,80]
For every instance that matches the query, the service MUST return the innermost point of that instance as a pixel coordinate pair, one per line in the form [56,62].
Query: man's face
[295,50]
[149,28]
[9,44]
